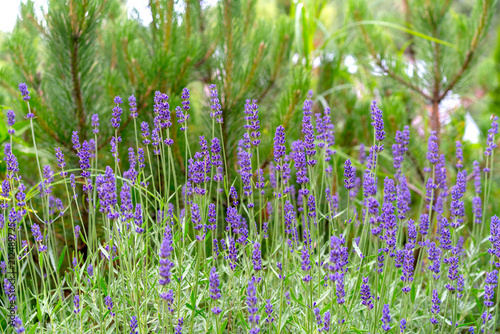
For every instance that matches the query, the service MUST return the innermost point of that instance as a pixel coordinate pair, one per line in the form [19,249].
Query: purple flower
[117,112]
[109,304]
[366,295]
[407,276]
[132,102]
[253,317]
[269,311]
[133,325]
[459,154]
[306,263]
[490,140]
[214,284]
[317,314]
[138,218]
[245,171]
[489,288]
[256,257]
[11,120]
[401,146]
[477,177]
[145,133]
[435,306]
[18,325]
[23,88]
[215,105]
[378,123]
[308,132]
[434,255]
[349,174]
[95,123]
[494,249]
[166,264]
[10,290]
[386,318]
[445,236]
[76,302]
[77,232]
[279,147]
[233,254]
[178,328]
[90,270]
[403,197]
[432,148]
[37,235]
[299,157]
[212,217]
[252,118]
[402,325]
[326,322]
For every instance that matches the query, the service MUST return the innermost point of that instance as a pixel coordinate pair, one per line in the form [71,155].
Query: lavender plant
[282,247]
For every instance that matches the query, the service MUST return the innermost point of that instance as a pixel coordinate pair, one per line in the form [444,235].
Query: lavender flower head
[133,325]
[11,120]
[23,88]
[349,174]
[109,304]
[76,302]
[366,295]
[378,123]
[117,112]
[432,148]
[386,318]
[215,105]
[435,306]
[490,140]
[132,102]
[18,325]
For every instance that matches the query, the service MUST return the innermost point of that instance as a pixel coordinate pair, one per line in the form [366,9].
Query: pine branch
[471,52]
[386,68]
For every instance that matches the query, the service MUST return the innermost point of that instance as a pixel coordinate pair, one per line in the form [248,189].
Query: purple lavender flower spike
[18,325]
[490,140]
[432,148]
[95,123]
[178,328]
[435,306]
[76,302]
[317,314]
[378,124]
[349,174]
[308,132]
[215,105]
[252,118]
[23,88]
[366,295]
[253,317]
[132,102]
[269,311]
[490,286]
[402,325]
[459,153]
[133,325]
[109,305]
[117,112]
[11,120]
[386,318]
[166,264]
[306,263]
[256,257]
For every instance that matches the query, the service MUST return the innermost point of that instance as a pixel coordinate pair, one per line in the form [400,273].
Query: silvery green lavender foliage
[271,251]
